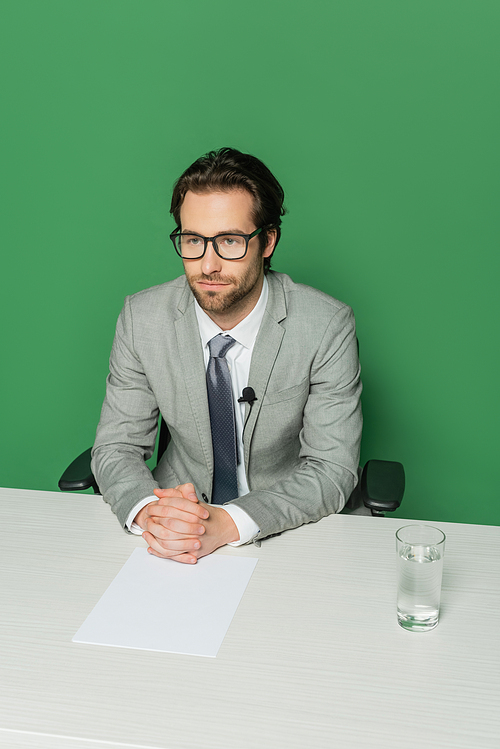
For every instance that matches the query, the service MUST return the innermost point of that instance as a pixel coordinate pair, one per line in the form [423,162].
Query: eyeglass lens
[192,246]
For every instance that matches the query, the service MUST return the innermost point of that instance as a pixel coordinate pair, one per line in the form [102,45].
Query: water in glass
[420,570]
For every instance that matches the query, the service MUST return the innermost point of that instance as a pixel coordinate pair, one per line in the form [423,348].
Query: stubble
[219,302]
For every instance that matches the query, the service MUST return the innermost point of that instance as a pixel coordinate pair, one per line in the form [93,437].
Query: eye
[232,240]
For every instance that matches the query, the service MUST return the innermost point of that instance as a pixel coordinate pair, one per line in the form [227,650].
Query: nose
[211,262]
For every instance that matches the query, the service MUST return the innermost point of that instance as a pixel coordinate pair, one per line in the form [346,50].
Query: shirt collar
[246,330]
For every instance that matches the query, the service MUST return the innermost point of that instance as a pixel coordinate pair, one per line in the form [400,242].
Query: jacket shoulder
[298,295]
[168,290]
[164,296]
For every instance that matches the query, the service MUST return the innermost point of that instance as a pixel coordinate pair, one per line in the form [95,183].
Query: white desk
[313,658]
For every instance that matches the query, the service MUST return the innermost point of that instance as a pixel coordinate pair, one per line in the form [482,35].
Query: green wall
[381,120]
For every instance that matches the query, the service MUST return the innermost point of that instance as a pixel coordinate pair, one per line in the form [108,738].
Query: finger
[188,492]
[183,504]
[170,511]
[182,558]
[172,528]
[183,490]
[170,492]
[171,547]
[165,534]
[143,514]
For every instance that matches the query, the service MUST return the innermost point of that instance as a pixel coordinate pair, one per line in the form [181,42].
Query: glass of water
[420,552]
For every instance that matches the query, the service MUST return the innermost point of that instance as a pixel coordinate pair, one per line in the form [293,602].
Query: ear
[272,235]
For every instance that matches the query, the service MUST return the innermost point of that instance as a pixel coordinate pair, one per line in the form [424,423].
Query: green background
[379,117]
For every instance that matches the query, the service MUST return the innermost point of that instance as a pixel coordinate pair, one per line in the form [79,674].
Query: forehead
[217,211]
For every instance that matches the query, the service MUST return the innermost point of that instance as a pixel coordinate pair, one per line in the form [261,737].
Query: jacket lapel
[266,349]
[193,371]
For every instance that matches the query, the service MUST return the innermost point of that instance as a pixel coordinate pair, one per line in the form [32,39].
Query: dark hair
[229,169]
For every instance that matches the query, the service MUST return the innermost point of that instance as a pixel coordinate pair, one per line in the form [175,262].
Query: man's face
[225,289]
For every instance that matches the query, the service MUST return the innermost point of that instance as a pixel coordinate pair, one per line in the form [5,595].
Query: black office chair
[381,487]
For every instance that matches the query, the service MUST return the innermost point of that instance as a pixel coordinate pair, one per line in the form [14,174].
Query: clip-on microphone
[248,396]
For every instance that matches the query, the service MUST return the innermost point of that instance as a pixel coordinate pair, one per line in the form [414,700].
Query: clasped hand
[179,527]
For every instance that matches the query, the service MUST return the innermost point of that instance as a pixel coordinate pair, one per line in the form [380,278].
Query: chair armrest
[382,485]
[78,475]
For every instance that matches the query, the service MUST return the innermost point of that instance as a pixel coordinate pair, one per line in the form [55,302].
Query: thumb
[188,492]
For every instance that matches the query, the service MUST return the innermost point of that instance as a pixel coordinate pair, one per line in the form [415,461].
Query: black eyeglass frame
[206,240]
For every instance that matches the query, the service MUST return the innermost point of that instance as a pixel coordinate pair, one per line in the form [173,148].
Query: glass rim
[179,233]
[421,543]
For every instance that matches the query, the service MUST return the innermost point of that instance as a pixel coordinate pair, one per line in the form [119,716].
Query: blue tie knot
[220,345]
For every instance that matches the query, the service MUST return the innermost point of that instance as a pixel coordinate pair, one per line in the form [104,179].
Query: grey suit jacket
[302,436]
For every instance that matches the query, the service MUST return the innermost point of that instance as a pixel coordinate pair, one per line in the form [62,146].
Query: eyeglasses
[227,246]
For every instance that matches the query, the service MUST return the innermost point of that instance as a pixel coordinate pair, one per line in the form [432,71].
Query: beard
[221,301]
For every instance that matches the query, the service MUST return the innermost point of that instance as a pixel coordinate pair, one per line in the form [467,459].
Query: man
[256,377]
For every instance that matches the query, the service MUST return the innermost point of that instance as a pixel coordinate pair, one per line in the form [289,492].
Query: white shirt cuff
[247,527]
[129,523]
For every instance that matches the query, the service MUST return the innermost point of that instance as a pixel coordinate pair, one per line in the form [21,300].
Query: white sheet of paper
[158,604]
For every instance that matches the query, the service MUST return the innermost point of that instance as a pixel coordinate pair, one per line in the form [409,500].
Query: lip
[212,286]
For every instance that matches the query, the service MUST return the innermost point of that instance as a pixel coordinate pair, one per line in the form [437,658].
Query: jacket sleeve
[324,473]
[127,428]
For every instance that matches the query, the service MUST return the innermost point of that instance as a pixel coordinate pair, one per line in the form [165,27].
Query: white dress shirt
[238,359]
